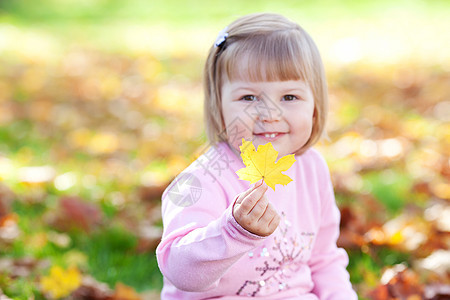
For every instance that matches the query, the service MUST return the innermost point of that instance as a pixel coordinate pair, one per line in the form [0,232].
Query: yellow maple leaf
[61,283]
[260,164]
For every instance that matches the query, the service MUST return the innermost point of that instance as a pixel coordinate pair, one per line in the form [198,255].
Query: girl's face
[280,112]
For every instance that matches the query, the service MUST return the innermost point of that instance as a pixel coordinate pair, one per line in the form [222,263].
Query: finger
[273,224]
[243,195]
[259,208]
[250,201]
[247,192]
[267,215]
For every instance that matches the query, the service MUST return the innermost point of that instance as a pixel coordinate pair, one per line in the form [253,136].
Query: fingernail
[259,183]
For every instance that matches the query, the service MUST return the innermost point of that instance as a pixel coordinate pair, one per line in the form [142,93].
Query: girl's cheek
[235,144]
[236,131]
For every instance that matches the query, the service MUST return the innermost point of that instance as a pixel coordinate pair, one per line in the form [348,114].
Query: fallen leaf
[438,262]
[149,237]
[398,282]
[152,193]
[60,282]
[261,164]
[6,199]
[124,292]
[9,229]
[352,229]
[22,267]
[75,213]
[437,291]
[91,289]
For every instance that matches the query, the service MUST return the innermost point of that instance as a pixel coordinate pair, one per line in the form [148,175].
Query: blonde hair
[277,49]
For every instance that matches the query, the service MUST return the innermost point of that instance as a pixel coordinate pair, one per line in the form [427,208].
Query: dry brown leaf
[74,213]
[437,291]
[124,292]
[91,289]
[6,198]
[400,283]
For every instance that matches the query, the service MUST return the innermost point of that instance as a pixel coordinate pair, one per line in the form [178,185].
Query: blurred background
[100,107]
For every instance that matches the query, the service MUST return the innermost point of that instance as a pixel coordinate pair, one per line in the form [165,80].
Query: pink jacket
[206,254]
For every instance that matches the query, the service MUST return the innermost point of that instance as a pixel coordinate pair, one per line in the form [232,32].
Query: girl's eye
[249,98]
[289,97]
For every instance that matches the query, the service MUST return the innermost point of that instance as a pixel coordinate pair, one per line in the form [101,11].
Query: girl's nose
[268,111]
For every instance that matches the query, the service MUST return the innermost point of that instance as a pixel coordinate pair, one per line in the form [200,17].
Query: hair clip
[221,38]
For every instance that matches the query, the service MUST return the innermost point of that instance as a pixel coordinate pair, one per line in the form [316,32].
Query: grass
[112,259]
[391,187]
[108,254]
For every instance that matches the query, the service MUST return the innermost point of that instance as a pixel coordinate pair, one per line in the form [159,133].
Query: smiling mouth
[269,135]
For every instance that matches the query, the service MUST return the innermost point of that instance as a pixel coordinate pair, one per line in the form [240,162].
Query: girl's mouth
[269,136]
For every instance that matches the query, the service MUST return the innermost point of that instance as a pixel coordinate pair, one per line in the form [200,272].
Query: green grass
[18,132]
[111,259]
[110,252]
[21,289]
[391,187]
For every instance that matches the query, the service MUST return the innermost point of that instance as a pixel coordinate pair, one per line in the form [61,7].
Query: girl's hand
[253,211]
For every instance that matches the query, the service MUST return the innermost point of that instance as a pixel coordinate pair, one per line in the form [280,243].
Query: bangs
[274,57]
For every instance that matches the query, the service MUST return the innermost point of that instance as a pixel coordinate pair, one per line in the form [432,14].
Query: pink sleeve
[328,262]
[201,242]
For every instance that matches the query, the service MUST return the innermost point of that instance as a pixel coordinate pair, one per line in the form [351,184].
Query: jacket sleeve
[328,262]
[201,241]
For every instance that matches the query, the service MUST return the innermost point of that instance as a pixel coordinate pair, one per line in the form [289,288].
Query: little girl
[224,238]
